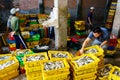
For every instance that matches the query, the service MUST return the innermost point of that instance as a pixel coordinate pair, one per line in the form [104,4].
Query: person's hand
[81,51]
[100,46]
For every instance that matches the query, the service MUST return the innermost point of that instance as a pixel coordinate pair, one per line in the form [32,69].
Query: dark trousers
[88,26]
[19,40]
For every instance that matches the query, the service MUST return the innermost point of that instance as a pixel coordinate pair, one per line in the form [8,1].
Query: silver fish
[92,50]
[6,64]
[59,55]
[53,65]
[84,60]
[4,57]
[35,58]
[117,72]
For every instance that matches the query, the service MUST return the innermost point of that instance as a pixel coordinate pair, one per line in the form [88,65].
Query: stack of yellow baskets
[79,25]
[33,68]
[104,73]
[86,71]
[109,72]
[61,73]
[8,67]
[56,74]
[99,54]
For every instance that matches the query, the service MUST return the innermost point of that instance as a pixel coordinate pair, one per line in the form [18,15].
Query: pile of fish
[53,65]
[104,71]
[22,52]
[35,58]
[83,61]
[4,57]
[92,50]
[41,47]
[6,64]
[117,72]
[60,55]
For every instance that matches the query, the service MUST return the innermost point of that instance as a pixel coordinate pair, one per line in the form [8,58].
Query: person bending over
[99,36]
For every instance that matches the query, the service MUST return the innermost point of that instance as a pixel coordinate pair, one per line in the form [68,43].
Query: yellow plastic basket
[81,72]
[35,78]
[43,16]
[111,52]
[62,76]
[114,3]
[84,76]
[107,76]
[80,22]
[29,64]
[32,69]
[10,67]
[9,75]
[114,76]
[22,52]
[100,50]
[50,53]
[93,64]
[32,15]
[34,74]
[93,78]
[55,71]
[8,56]
[80,28]
[111,12]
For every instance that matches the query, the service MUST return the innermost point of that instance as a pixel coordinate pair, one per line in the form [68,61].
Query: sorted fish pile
[35,58]
[4,57]
[22,52]
[92,50]
[53,65]
[104,71]
[6,64]
[84,60]
[41,47]
[60,55]
[117,72]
